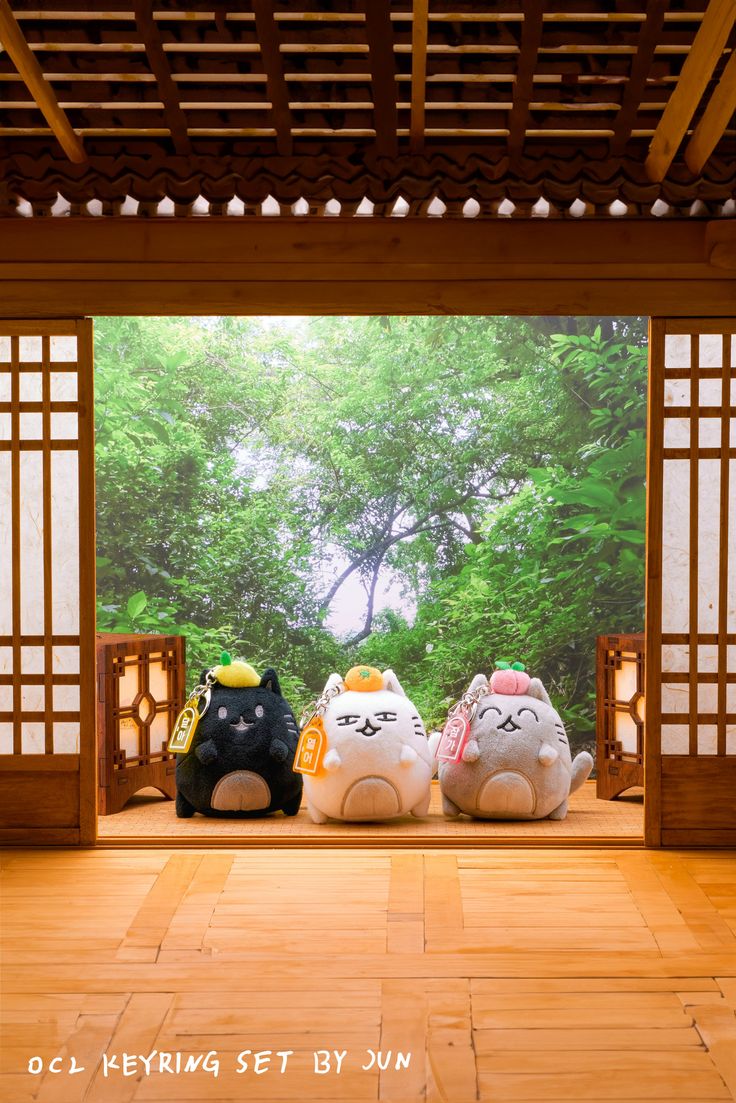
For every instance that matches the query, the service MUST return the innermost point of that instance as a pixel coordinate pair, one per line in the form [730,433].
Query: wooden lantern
[619,714]
[141,686]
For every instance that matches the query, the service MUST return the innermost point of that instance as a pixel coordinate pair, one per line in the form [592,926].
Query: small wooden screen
[47,585]
[620,714]
[140,692]
[691,583]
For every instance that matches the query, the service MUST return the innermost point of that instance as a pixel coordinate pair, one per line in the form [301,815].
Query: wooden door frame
[76,267]
[71,267]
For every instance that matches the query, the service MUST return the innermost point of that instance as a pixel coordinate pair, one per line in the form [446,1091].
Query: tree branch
[368,623]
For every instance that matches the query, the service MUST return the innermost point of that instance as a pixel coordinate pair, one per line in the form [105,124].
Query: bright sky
[348,609]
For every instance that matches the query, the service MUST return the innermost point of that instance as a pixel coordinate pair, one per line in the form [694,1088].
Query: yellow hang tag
[311,747]
[186,725]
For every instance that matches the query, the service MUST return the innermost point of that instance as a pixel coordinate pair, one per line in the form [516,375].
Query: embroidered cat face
[248,715]
[378,716]
[527,719]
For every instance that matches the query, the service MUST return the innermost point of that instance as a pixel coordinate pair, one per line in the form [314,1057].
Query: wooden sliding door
[47,583]
[691,584]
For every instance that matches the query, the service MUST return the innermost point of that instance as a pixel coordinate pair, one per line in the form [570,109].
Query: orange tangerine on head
[364,679]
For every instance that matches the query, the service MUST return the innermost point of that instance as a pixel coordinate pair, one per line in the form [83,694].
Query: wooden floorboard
[510,974]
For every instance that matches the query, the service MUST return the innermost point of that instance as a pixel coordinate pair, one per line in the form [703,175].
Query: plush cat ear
[270,681]
[333,680]
[478,681]
[392,683]
[536,689]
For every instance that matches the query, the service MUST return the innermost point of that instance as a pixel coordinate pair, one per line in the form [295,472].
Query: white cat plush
[376,763]
[516,763]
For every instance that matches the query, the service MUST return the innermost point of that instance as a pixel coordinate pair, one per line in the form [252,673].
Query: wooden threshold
[370,842]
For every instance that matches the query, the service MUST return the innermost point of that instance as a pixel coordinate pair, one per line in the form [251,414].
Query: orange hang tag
[311,747]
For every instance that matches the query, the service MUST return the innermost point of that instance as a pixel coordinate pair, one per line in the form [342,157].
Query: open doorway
[430,494]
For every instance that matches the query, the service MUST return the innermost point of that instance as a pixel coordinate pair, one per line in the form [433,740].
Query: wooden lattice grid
[141,688]
[619,713]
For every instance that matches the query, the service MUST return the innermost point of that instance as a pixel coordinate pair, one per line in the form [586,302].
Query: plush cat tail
[478,681]
[270,681]
[581,768]
[536,689]
[333,680]
[392,683]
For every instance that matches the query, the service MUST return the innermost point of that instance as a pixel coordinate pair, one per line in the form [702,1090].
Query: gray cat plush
[516,762]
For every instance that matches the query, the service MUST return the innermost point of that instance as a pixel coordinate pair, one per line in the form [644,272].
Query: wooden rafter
[531,38]
[270,44]
[697,70]
[383,75]
[640,68]
[175,118]
[419,35]
[715,119]
[43,94]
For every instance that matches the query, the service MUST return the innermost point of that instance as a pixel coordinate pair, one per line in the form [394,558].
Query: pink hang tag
[454,737]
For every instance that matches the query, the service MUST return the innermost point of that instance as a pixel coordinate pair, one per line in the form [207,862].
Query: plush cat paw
[547,754]
[449,808]
[278,750]
[184,809]
[332,761]
[471,751]
[206,752]
[315,815]
[559,812]
[408,756]
[422,808]
[293,806]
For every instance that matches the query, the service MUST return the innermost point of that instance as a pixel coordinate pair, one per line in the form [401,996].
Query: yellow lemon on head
[364,679]
[235,674]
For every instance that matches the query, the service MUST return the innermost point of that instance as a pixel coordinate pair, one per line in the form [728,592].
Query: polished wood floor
[148,815]
[509,975]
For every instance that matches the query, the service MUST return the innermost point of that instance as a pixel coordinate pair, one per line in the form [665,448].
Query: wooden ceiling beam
[697,70]
[270,43]
[640,68]
[531,39]
[173,114]
[419,36]
[383,75]
[716,117]
[43,94]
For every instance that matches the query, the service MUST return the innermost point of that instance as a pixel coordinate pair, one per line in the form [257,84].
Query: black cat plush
[241,757]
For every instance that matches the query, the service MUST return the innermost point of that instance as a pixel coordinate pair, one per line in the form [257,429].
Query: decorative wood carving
[36,172]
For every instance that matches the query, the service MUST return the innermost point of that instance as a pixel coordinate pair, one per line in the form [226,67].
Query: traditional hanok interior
[378,157]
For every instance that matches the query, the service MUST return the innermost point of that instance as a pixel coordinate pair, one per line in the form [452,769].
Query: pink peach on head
[511,682]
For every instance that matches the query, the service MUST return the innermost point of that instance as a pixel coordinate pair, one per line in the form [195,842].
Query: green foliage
[247,469]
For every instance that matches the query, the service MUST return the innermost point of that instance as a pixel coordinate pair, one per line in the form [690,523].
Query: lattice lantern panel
[141,683]
[619,714]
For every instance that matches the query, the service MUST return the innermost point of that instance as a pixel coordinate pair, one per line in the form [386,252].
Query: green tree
[247,468]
